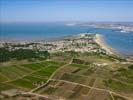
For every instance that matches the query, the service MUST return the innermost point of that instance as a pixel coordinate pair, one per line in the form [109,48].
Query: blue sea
[121,42]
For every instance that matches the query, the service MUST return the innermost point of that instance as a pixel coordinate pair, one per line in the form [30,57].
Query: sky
[66,10]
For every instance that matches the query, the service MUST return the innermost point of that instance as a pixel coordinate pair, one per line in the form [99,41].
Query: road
[52,76]
[91,87]
[99,89]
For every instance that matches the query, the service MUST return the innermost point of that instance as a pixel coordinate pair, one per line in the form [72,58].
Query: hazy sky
[65,10]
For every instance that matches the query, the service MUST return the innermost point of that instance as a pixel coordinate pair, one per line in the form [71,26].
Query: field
[27,76]
[78,77]
[90,80]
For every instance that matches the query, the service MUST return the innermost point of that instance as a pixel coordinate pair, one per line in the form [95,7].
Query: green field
[27,76]
[87,76]
[92,70]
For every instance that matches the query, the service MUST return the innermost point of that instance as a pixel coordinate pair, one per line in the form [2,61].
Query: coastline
[100,40]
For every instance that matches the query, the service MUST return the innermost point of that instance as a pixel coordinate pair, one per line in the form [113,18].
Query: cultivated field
[78,77]
[27,76]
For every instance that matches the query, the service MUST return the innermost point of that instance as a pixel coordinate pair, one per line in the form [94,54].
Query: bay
[121,42]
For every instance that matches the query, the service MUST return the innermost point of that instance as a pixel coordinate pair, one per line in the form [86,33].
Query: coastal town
[66,49]
[81,66]
[85,42]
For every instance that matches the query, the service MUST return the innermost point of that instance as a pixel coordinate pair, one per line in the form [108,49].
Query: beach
[99,40]
[120,42]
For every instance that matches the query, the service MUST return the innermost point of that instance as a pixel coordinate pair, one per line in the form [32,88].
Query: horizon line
[66,21]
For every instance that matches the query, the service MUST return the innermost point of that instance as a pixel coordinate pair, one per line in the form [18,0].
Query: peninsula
[80,66]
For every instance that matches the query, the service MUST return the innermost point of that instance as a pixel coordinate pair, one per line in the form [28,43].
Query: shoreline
[100,40]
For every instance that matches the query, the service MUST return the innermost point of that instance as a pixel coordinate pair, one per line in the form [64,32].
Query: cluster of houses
[79,43]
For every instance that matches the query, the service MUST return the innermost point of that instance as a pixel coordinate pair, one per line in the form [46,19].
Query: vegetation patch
[5,86]
[12,72]
[23,83]
[79,66]
[125,75]
[79,61]
[20,54]
[119,86]
[49,90]
[118,98]
[33,66]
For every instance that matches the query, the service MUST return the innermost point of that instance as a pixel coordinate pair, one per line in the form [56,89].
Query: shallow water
[121,42]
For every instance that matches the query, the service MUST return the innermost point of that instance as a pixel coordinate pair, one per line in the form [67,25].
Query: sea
[121,42]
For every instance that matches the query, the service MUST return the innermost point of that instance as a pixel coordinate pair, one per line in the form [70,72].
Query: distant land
[66,49]
[119,35]
[81,66]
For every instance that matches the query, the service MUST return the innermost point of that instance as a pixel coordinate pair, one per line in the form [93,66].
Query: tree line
[20,54]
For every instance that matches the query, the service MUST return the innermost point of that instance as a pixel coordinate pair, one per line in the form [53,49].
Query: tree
[44,54]
[4,55]
[23,54]
[130,67]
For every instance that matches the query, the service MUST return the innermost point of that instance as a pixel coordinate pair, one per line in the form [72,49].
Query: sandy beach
[99,40]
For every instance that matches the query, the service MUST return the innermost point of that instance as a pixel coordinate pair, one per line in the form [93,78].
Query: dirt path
[23,76]
[51,76]
[94,88]
[91,87]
